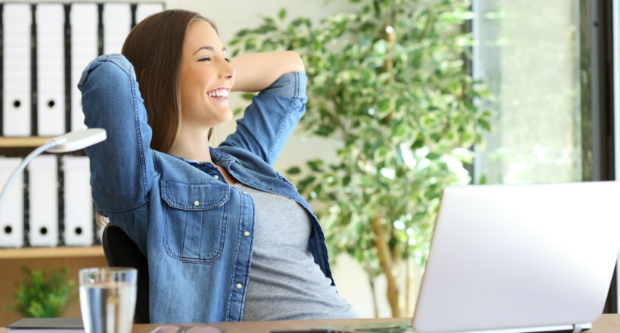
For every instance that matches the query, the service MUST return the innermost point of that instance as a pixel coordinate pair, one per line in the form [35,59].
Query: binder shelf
[26,142]
[16,146]
[56,252]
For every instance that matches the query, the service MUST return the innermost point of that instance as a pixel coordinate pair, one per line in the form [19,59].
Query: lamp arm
[35,153]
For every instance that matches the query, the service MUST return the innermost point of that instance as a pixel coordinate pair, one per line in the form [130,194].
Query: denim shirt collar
[218,157]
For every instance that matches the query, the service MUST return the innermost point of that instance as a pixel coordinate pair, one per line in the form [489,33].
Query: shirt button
[196,203]
[216,177]
[239,286]
[246,234]
[245,192]
[270,189]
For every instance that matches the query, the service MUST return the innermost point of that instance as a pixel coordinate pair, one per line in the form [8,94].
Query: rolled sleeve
[121,166]
[291,85]
[271,118]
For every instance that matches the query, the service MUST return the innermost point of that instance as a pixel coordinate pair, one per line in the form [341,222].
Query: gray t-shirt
[285,283]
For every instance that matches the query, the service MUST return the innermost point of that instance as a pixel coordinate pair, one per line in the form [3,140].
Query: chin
[224,117]
[228,115]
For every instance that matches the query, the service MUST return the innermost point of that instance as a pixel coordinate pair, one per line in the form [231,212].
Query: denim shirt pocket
[195,220]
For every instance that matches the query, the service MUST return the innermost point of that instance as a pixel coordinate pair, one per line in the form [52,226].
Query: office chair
[121,251]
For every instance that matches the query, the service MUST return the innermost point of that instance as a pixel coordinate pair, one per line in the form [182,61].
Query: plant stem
[371,280]
[383,251]
[410,280]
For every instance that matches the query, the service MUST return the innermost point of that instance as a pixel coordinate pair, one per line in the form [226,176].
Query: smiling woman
[227,238]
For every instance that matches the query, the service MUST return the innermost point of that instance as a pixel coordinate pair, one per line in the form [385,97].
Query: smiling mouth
[219,98]
[219,94]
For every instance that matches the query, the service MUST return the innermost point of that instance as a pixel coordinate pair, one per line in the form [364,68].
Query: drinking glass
[108,299]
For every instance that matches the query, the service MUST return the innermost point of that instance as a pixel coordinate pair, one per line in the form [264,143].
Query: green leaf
[243,32]
[265,29]
[384,105]
[484,124]
[316,165]
[429,121]
[248,96]
[317,46]
[433,156]
[282,14]
[293,171]
[305,183]
[400,131]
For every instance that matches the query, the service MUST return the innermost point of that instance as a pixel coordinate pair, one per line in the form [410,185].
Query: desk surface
[607,323]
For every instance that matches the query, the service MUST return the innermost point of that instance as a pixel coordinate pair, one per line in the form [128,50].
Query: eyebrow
[210,48]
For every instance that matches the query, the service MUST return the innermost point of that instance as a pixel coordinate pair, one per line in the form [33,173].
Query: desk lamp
[71,141]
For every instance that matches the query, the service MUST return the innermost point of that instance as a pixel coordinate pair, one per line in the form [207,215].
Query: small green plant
[43,294]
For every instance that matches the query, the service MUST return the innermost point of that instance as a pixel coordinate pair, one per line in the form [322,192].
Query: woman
[227,238]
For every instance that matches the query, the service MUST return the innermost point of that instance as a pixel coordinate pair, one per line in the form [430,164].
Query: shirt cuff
[291,85]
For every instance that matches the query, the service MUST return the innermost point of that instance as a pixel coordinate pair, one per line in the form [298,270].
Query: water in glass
[107,306]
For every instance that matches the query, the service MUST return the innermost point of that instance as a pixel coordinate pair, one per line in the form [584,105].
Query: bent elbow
[296,61]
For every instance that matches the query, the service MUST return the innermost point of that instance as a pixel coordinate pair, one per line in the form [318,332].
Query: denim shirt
[195,230]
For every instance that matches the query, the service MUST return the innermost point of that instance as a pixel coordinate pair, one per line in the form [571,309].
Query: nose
[227,71]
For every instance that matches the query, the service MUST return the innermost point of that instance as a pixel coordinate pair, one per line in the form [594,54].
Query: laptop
[516,258]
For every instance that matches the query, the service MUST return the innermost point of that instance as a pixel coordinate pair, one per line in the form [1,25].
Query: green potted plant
[389,82]
[43,294]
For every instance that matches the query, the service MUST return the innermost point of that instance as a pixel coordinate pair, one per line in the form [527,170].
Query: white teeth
[219,93]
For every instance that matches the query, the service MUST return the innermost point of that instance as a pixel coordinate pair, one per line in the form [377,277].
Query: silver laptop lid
[518,256]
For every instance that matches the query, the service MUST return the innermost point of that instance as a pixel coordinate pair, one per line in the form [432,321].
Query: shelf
[20,147]
[26,142]
[52,252]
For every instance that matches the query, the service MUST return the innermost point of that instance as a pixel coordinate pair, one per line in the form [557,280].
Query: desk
[607,323]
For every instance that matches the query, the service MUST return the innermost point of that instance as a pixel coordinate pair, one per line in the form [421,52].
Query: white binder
[144,10]
[43,190]
[84,48]
[16,105]
[50,20]
[12,210]
[78,203]
[116,26]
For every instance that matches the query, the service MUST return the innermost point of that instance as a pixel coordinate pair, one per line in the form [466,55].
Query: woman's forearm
[258,71]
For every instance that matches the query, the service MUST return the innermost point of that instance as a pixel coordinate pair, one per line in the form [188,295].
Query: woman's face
[206,78]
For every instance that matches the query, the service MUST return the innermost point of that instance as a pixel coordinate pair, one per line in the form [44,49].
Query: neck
[192,144]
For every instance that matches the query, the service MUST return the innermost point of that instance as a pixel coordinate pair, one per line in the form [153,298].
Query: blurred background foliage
[43,294]
[390,83]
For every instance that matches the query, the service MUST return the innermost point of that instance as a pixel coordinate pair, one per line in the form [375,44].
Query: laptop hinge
[578,328]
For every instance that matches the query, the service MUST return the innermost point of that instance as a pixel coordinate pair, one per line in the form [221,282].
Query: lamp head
[77,140]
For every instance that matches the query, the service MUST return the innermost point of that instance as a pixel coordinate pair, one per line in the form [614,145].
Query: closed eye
[208,59]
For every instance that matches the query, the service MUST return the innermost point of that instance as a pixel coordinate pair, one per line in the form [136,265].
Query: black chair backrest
[121,251]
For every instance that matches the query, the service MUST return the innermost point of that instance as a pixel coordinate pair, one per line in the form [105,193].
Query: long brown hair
[155,49]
